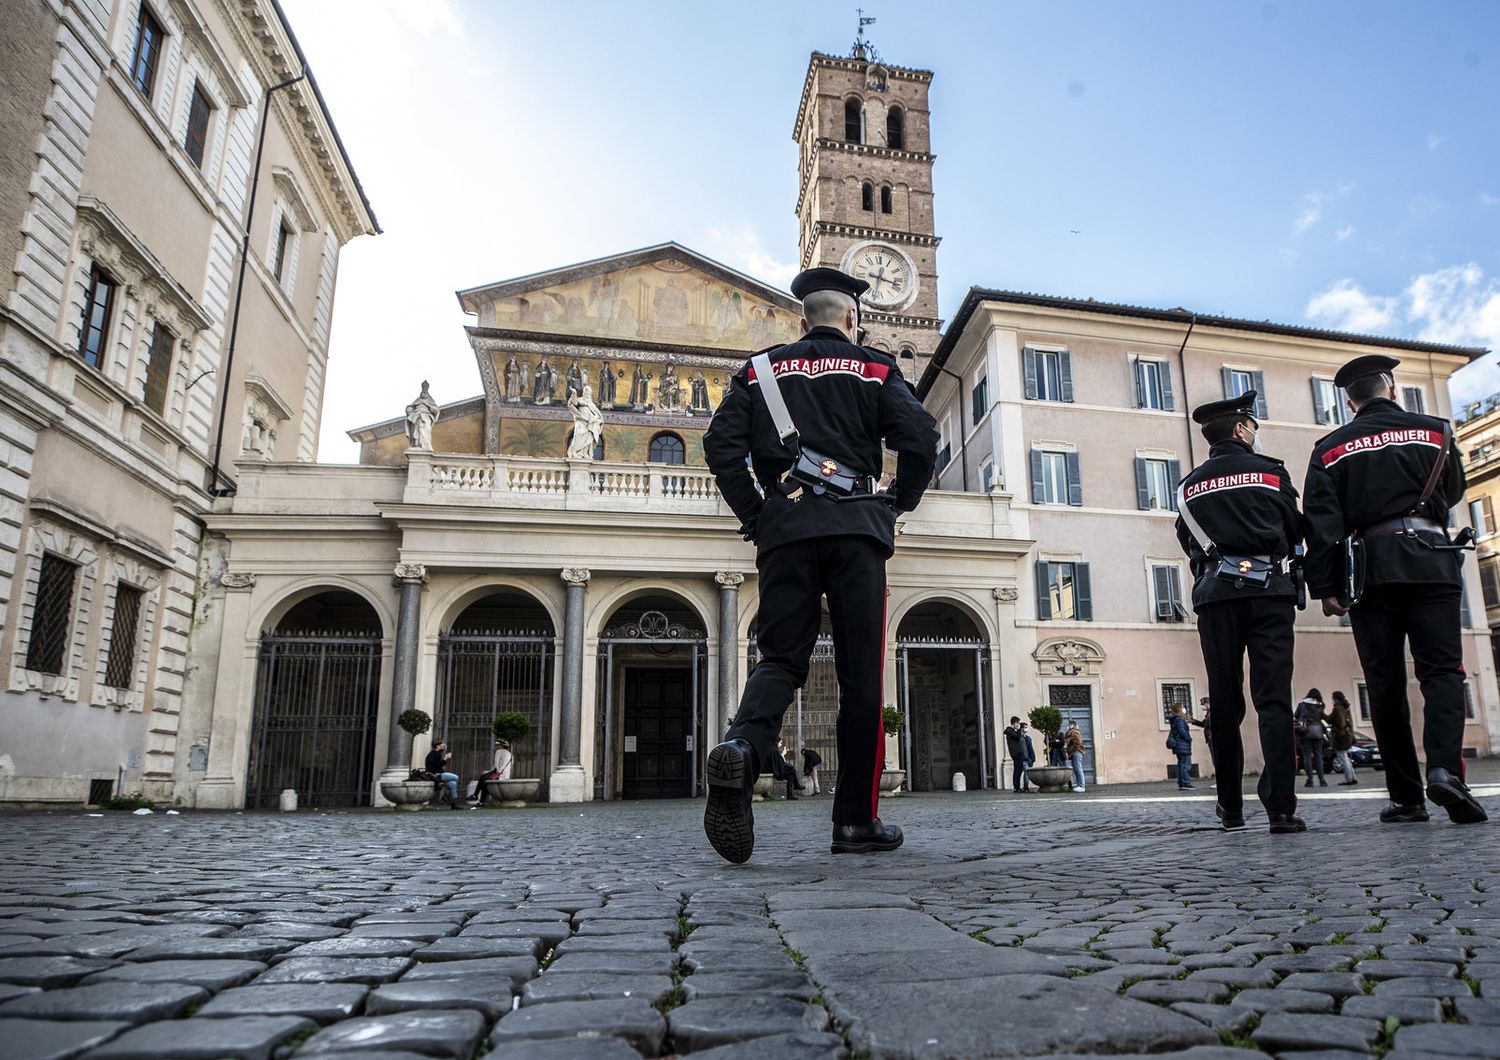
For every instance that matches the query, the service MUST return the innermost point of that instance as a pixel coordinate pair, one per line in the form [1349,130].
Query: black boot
[1453,795]
[869,838]
[728,821]
[1400,813]
[1284,823]
[1229,821]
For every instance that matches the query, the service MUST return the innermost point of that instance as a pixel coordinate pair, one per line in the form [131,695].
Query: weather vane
[863,49]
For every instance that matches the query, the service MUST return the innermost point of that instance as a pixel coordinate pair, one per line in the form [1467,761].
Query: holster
[1253,570]
[1354,569]
[823,474]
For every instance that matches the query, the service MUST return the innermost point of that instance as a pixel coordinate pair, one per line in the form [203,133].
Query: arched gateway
[942,665]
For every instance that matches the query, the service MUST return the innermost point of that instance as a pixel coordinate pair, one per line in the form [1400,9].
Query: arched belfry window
[854,120]
[667,448]
[867,196]
[895,128]
[885,199]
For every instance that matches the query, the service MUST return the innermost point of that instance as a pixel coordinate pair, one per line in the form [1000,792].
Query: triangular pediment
[664,294]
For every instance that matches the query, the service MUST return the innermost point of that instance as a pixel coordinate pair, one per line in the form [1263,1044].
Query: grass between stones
[1387,1039]
[1126,984]
[1472,983]
[1241,1039]
[798,958]
[290,1045]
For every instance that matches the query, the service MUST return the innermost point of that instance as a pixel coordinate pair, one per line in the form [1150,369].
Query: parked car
[1364,753]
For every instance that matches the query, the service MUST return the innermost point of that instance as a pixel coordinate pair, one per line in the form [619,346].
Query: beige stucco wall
[25,80]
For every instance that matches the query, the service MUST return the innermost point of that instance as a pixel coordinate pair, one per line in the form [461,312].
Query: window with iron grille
[197,129]
[98,303]
[158,370]
[52,615]
[1175,694]
[100,791]
[120,670]
[147,52]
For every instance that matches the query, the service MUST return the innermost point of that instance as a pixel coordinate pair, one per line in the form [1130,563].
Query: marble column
[409,578]
[729,645]
[567,783]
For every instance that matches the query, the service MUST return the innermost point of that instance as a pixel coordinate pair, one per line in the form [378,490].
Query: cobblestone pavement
[1115,923]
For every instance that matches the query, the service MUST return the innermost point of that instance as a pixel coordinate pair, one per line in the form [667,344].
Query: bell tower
[864,196]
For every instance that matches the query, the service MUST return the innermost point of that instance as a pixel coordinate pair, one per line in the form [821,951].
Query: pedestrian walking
[811,760]
[1074,748]
[1379,491]
[1180,743]
[1239,526]
[1341,738]
[1310,722]
[1028,749]
[1017,749]
[813,419]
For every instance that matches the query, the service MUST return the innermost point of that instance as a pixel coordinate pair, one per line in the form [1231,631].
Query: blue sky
[1332,163]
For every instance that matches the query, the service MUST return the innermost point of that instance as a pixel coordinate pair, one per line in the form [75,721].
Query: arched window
[895,129]
[854,120]
[885,199]
[867,196]
[667,448]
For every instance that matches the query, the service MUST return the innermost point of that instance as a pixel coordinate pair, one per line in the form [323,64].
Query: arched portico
[943,670]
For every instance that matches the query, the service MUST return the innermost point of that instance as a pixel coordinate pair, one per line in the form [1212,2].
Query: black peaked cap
[812,280]
[1244,405]
[1369,364]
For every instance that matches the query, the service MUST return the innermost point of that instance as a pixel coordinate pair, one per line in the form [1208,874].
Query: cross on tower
[863,49]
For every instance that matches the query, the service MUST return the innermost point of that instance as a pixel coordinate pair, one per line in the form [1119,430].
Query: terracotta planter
[1051,778]
[408,794]
[514,792]
[891,781]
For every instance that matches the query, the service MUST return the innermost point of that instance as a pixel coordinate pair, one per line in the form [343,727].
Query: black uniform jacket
[1247,505]
[845,400]
[1370,470]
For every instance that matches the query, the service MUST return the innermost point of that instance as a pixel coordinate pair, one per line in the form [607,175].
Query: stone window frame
[293,213]
[265,412]
[1162,724]
[44,536]
[132,572]
[1184,588]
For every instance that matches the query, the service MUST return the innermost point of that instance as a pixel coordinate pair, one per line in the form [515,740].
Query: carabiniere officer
[844,401]
[1377,497]
[1245,597]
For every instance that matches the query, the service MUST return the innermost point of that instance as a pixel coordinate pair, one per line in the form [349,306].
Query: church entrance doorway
[317,695]
[942,662]
[658,737]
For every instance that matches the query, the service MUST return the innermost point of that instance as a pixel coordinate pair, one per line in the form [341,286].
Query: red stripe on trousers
[885,615]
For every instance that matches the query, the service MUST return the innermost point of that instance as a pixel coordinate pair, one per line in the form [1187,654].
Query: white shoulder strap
[770,389]
[1194,527]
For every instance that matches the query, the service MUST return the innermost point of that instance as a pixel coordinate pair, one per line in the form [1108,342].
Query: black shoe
[1284,823]
[1397,813]
[1453,795]
[727,820]
[869,838]
[1346,783]
[1309,783]
[1322,783]
[1227,821]
[1185,787]
[455,806]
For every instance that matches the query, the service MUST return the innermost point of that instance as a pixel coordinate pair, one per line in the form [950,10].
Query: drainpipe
[1187,406]
[214,473]
[963,465]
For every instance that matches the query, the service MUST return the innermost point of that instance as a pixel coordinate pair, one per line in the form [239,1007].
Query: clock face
[887,271]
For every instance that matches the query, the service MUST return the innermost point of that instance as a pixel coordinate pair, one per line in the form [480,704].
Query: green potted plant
[1048,721]
[410,792]
[510,727]
[892,721]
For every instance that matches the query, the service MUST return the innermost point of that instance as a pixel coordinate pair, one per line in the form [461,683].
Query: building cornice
[805,181]
[831,228]
[822,60]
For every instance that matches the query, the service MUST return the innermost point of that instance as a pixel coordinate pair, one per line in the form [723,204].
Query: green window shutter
[1320,409]
[1075,480]
[1226,376]
[1142,487]
[1258,380]
[1174,477]
[1065,373]
[1167,399]
[1028,369]
[1043,591]
[1083,593]
[1038,488]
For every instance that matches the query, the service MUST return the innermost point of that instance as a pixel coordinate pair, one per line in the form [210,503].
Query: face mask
[1255,446]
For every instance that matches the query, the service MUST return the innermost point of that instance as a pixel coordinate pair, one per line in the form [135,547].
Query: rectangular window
[1363,691]
[1156,483]
[1489,582]
[158,370]
[197,128]
[1054,478]
[1063,592]
[1153,385]
[1411,399]
[283,241]
[1175,694]
[945,443]
[1166,593]
[1238,381]
[1469,701]
[1048,374]
[1328,403]
[98,304]
[147,52]
[1482,515]
[119,671]
[987,476]
[981,397]
[51,616]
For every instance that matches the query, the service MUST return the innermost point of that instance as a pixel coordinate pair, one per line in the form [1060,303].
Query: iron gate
[937,736]
[812,720]
[479,676]
[316,705]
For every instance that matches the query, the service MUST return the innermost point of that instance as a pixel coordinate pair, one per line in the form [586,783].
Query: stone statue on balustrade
[421,414]
[588,424]
[517,380]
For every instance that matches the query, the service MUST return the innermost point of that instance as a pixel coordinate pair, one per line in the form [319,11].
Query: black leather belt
[863,486]
[1405,524]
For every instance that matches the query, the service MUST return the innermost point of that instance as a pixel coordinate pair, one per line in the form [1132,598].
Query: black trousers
[850,572]
[1262,628]
[1018,775]
[1386,619]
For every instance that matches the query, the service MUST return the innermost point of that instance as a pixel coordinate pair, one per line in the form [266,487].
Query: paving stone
[633,963]
[53,1040]
[469,949]
[722,1020]
[803,1045]
[348,946]
[1291,963]
[131,1002]
[407,932]
[1478,1010]
[517,916]
[666,928]
[1299,1031]
[1166,991]
[565,1049]
[794,985]
[10,990]
[291,931]
[1222,1018]
[594,986]
[416,917]
[490,998]
[241,949]
[1404,969]
[631,1019]
[1405,1009]
[836,898]
[551,933]
[515,969]
[1283,1001]
[49,972]
[734,958]
[247,1037]
[1423,986]
[959,959]
[1446,953]
[1236,978]
[442,1032]
[616,943]
[212,975]
[336,970]
[322,1002]
[1338,984]
[1138,955]
[1449,1039]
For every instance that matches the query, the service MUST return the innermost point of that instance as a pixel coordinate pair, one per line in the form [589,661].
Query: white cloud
[1344,233]
[1313,203]
[1487,200]
[739,246]
[1345,306]
[1435,140]
[1309,216]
